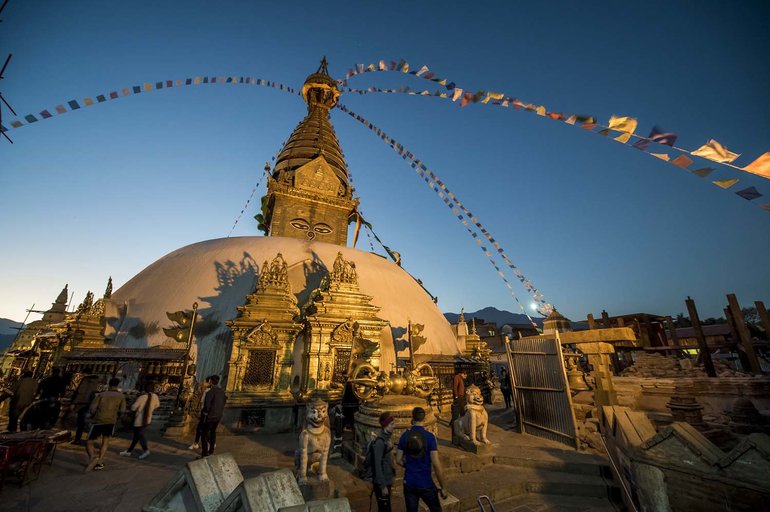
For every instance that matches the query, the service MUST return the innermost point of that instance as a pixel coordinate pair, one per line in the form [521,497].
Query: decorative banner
[454,204]
[149,87]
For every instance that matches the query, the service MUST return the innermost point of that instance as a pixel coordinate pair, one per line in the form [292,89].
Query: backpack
[415,443]
[367,469]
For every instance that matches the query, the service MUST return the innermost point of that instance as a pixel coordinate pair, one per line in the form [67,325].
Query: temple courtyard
[525,473]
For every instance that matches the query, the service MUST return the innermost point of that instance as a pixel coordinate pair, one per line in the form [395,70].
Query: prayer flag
[371,68]
[457,94]
[476,97]
[73,105]
[604,132]
[760,166]
[703,172]
[137,89]
[45,114]
[624,124]
[556,115]
[749,193]
[450,86]
[467,97]
[60,109]
[188,81]
[422,71]
[493,96]
[147,87]
[3,129]
[662,156]
[197,80]
[540,110]
[30,118]
[392,65]
[88,101]
[430,76]
[571,119]
[101,98]
[725,183]
[16,124]
[682,161]
[766,207]
[716,152]
[169,83]
[656,135]
[179,83]
[205,79]
[113,95]
[126,91]
[383,66]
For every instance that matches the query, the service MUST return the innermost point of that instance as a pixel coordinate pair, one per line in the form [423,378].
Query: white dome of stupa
[218,274]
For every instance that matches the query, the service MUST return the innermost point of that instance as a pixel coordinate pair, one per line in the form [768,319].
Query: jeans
[138,437]
[383,502]
[429,496]
[209,437]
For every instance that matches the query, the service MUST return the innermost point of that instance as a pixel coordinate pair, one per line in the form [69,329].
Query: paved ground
[126,484]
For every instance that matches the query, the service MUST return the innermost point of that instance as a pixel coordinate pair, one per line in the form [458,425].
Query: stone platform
[525,474]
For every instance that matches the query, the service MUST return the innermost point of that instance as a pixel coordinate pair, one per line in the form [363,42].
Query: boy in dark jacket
[382,468]
[211,415]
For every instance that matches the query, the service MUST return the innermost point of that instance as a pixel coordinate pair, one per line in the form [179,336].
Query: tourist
[81,402]
[105,411]
[505,388]
[417,452]
[458,395]
[199,427]
[23,394]
[143,408]
[382,463]
[211,415]
[52,386]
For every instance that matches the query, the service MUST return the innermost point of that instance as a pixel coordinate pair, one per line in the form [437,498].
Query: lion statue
[314,443]
[472,426]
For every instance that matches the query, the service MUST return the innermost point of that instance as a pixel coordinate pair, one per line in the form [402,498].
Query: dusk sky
[108,189]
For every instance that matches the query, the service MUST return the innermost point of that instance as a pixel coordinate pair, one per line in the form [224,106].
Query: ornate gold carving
[263,336]
[345,332]
[274,275]
[317,176]
[85,307]
[343,272]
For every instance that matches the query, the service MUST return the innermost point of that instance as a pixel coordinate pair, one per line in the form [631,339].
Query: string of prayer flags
[470,223]
[145,88]
[703,172]
[749,194]
[760,166]
[682,161]
[715,152]
[246,206]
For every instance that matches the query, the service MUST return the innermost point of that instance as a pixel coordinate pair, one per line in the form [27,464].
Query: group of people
[417,452]
[27,392]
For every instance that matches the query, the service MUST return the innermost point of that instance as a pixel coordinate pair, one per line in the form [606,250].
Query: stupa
[285,316]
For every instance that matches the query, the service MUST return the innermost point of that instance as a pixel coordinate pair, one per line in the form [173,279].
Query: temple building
[287,315]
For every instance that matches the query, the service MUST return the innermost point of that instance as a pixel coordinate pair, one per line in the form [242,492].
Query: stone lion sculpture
[472,426]
[314,443]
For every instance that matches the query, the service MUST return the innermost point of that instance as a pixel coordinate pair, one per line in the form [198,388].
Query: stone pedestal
[367,419]
[468,446]
[314,489]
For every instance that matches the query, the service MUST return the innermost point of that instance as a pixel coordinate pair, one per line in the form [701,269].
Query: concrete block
[333,505]
[201,486]
[268,492]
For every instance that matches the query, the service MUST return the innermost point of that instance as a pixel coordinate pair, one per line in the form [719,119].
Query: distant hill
[7,332]
[491,314]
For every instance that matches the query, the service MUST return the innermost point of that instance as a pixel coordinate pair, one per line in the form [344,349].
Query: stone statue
[472,426]
[314,443]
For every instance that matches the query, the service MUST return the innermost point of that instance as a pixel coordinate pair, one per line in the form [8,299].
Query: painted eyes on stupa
[319,228]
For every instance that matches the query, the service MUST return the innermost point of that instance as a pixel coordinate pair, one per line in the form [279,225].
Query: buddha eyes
[319,228]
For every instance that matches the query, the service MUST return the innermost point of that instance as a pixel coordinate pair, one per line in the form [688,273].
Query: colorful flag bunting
[88,102]
[725,183]
[716,152]
[624,124]
[45,114]
[760,166]
[662,156]
[60,109]
[73,104]
[101,98]
[656,135]
[749,193]
[113,95]
[30,118]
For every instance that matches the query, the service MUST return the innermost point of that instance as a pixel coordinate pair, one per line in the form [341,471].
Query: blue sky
[108,189]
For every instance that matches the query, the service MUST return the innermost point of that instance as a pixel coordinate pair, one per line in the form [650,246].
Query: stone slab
[201,486]
[332,505]
[268,492]
[468,446]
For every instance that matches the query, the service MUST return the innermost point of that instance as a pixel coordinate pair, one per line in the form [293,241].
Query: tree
[750,315]
[682,321]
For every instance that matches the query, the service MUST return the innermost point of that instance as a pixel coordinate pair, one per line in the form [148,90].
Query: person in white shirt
[143,408]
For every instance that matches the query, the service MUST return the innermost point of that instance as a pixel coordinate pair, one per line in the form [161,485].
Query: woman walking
[143,408]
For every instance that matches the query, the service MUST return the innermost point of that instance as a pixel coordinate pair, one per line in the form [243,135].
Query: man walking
[211,415]
[143,408]
[105,410]
[382,462]
[418,453]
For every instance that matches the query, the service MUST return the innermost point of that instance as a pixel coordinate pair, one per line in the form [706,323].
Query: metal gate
[541,393]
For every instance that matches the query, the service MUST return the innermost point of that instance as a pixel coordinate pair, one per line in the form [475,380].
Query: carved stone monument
[313,453]
[470,430]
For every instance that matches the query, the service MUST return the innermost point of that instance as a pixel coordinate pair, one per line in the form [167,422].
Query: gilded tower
[309,196]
